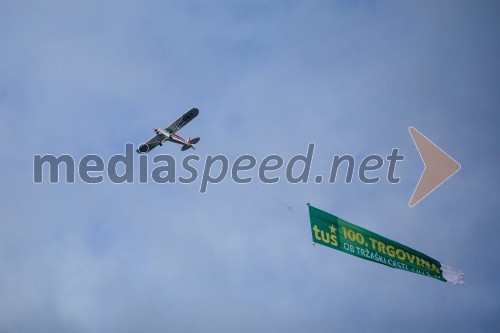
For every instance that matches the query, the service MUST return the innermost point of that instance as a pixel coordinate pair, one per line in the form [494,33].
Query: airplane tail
[191,143]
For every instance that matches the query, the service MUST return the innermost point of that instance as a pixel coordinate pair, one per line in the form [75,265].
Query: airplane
[168,134]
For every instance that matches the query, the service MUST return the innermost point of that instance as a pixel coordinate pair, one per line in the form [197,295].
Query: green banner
[338,234]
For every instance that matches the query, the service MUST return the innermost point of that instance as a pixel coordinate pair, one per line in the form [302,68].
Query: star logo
[332,229]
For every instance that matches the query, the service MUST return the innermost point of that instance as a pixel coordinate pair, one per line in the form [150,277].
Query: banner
[331,231]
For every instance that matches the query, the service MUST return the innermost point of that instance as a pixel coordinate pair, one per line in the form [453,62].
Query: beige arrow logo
[439,166]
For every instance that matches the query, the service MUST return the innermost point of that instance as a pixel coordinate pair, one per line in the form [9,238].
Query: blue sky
[268,77]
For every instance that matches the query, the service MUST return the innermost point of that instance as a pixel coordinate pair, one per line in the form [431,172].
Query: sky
[269,77]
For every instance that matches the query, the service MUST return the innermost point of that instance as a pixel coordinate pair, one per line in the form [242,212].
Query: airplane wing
[150,145]
[183,120]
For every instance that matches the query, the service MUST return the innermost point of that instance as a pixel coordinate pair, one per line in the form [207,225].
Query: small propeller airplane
[168,134]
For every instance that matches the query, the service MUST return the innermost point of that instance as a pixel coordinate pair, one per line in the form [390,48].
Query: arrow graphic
[439,166]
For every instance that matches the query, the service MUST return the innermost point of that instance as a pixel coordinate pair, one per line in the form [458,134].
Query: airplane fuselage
[168,136]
